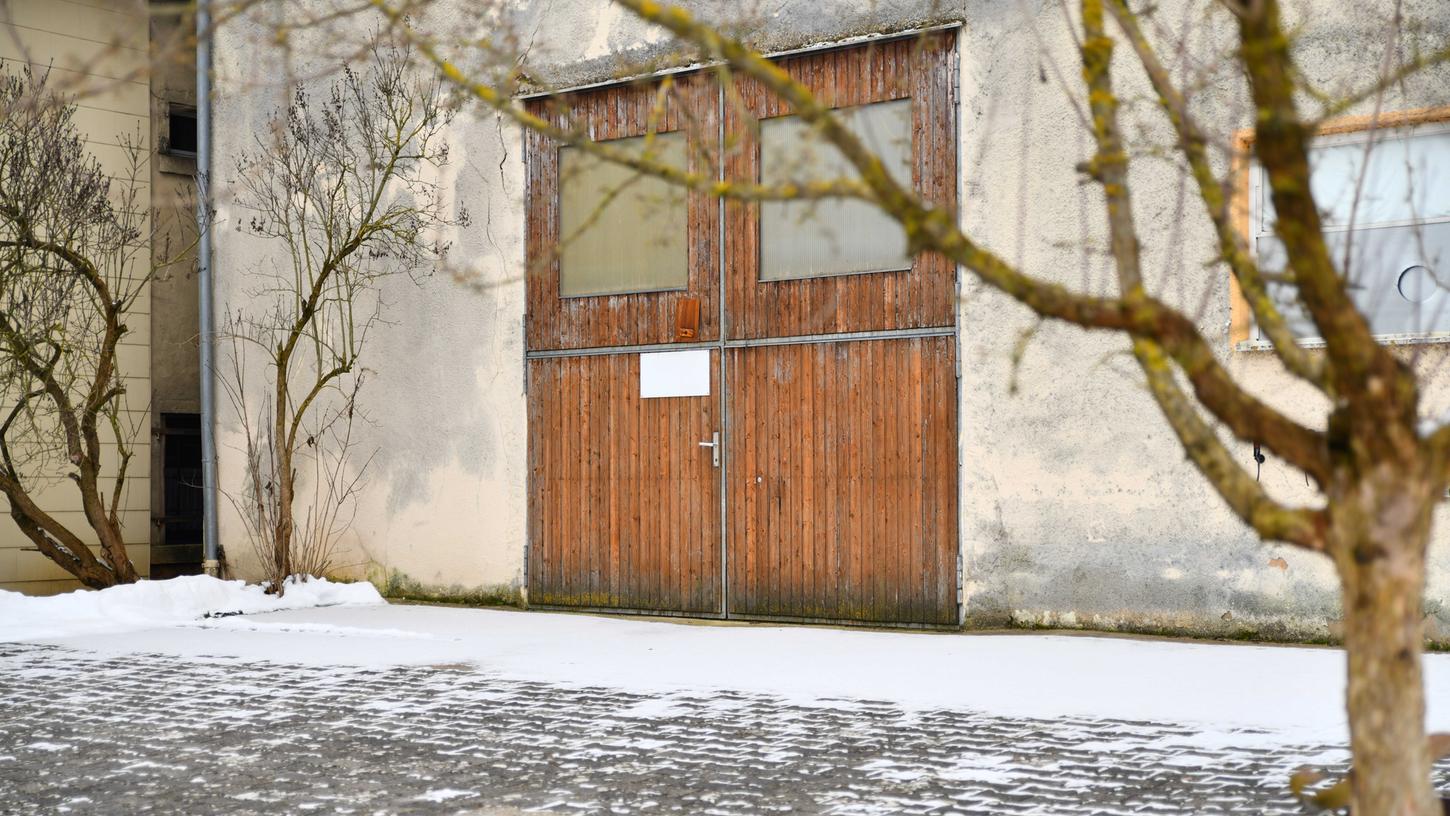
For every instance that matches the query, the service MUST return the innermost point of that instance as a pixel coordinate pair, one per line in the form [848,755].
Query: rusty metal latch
[714,446]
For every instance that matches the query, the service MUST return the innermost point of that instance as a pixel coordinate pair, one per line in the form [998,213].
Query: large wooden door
[842,453]
[624,501]
[837,409]
[842,481]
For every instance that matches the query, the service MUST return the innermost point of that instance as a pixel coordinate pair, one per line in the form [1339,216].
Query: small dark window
[181,131]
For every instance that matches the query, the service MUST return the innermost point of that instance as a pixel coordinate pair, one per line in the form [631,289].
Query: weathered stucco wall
[1078,506]
[442,503]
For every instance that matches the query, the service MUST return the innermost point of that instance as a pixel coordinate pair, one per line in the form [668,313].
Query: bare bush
[343,190]
[76,254]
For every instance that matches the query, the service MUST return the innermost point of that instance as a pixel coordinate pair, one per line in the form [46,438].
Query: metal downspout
[210,544]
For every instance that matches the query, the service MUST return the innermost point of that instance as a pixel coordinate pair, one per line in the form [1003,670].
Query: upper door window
[621,231]
[802,267]
[834,236]
[616,258]
[1385,201]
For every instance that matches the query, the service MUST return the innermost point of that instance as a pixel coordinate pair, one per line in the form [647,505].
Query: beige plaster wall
[1079,508]
[442,501]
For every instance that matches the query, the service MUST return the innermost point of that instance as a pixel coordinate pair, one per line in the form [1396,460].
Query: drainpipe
[211,563]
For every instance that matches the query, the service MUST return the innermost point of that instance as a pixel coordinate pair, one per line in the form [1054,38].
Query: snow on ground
[160,603]
[1294,695]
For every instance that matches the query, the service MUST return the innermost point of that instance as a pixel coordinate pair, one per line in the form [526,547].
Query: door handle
[714,446]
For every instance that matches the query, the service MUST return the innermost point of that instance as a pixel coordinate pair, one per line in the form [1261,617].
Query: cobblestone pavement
[85,734]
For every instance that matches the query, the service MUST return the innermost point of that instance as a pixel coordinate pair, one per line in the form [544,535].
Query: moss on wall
[1254,630]
[397,586]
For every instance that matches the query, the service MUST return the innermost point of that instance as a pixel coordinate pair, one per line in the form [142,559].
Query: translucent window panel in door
[621,231]
[806,239]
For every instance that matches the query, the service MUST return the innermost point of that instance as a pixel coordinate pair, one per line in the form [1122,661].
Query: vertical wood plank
[856,588]
[810,547]
[569,561]
[892,480]
[794,537]
[933,455]
[838,482]
[921,551]
[947,485]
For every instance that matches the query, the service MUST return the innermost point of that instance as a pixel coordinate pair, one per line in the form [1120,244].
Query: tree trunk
[112,541]
[1379,537]
[282,459]
[59,544]
[72,555]
[113,544]
[283,533]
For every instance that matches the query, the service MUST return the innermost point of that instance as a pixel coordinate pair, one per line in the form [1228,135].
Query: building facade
[679,406]
[103,54]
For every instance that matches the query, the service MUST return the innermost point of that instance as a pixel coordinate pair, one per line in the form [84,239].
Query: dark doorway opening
[177,550]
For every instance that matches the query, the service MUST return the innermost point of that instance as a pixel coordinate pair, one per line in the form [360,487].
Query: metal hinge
[956,83]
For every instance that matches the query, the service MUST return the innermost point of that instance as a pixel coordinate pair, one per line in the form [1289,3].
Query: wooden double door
[811,471]
[836,463]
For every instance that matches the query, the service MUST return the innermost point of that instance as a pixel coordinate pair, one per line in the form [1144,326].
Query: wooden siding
[921,68]
[842,479]
[618,112]
[624,505]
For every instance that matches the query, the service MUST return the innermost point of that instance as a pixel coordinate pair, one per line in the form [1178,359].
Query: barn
[657,401]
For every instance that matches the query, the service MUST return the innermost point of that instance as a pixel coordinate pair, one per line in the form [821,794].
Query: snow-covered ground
[1226,691]
[162,603]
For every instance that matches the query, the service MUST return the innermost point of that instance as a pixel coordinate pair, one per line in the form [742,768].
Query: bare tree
[75,260]
[1377,471]
[344,190]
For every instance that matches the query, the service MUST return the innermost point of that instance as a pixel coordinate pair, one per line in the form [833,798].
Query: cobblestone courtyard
[80,733]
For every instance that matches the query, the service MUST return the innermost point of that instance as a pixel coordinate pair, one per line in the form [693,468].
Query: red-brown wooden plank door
[843,481]
[624,503]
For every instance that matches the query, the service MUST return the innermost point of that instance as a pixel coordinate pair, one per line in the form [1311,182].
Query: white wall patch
[674,374]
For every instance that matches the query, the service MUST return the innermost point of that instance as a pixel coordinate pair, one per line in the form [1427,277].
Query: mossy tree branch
[1109,167]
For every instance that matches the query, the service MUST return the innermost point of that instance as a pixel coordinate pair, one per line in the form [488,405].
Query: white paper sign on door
[675,374]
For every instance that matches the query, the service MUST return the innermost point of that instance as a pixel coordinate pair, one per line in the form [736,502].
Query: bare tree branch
[1213,193]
